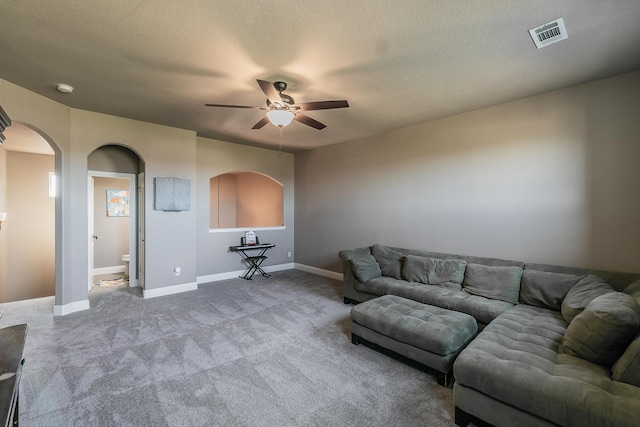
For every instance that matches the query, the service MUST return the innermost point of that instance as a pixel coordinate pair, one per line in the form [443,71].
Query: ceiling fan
[282,109]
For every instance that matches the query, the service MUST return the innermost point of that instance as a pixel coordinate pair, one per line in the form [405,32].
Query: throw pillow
[627,368]
[581,294]
[634,290]
[604,329]
[495,282]
[390,261]
[365,268]
[432,271]
[545,289]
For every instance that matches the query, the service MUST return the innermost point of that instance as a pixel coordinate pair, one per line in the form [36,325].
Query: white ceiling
[397,63]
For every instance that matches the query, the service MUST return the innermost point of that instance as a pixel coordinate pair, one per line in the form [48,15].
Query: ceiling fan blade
[309,121]
[261,123]
[270,91]
[234,106]
[322,105]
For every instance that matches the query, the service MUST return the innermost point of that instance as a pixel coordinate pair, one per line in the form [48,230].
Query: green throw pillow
[581,294]
[390,261]
[432,271]
[365,268]
[545,289]
[494,282]
[604,329]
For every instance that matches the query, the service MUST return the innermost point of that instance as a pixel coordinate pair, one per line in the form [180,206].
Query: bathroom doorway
[115,209]
[112,229]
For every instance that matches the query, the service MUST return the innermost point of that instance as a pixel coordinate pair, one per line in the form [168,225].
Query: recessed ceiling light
[64,88]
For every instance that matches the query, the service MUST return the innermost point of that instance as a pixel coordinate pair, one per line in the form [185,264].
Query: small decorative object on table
[250,238]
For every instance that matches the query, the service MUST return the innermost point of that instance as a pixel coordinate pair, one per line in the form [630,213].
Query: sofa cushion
[495,282]
[432,271]
[365,268]
[627,368]
[581,294]
[545,289]
[443,295]
[390,261]
[634,290]
[515,360]
[602,332]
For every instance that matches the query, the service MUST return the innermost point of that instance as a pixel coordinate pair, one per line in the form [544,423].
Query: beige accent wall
[552,178]
[245,199]
[30,228]
[223,197]
[260,201]
[3,235]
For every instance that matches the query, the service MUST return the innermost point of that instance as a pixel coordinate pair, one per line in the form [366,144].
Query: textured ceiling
[397,63]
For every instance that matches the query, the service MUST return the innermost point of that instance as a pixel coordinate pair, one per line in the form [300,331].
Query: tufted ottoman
[422,335]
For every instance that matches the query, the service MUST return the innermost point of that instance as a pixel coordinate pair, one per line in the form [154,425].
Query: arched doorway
[28,243]
[115,216]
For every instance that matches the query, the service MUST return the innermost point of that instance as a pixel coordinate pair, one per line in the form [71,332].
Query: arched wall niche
[246,200]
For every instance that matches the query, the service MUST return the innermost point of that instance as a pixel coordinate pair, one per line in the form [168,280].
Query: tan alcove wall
[245,199]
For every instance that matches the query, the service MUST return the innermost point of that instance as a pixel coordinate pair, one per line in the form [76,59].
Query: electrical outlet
[289,254]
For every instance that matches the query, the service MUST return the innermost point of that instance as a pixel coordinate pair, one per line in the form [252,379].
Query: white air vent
[549,33]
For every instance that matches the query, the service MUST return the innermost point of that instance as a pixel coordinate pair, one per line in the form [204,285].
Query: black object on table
[253,261]
[12,340]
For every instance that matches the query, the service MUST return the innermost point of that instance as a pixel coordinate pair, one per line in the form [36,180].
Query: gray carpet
[267,352]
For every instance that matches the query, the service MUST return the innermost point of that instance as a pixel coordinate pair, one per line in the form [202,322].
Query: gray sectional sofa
[558,345]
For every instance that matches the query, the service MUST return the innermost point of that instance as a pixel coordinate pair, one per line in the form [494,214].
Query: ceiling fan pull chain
[281,140]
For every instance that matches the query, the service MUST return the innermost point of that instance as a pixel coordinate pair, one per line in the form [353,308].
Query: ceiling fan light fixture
[280,118]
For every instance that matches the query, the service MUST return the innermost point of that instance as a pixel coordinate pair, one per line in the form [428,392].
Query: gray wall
[217,157]
[552,178]
[29,228]
[173,239]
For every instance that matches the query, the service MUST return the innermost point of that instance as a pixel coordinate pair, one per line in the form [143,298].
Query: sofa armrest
[351,295]
[347,254]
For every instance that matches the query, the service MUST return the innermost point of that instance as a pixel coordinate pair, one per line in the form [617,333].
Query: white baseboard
[235,274]
[169,290]
[269,269]
[108,270]
[63,310]
[319,271]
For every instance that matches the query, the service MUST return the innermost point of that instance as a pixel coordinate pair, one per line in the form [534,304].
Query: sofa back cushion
[365,268]
[581,294]
[627,368]
[390,261]
[634,290]
[495,282]
[604,329]
[545,289]
[432,271]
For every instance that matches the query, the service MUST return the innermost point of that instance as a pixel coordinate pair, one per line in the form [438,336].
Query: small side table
[253,261]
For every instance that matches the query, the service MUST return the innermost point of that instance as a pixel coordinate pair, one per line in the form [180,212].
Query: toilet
[125,259]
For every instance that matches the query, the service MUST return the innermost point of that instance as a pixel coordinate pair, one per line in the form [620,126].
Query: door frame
[133,221]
